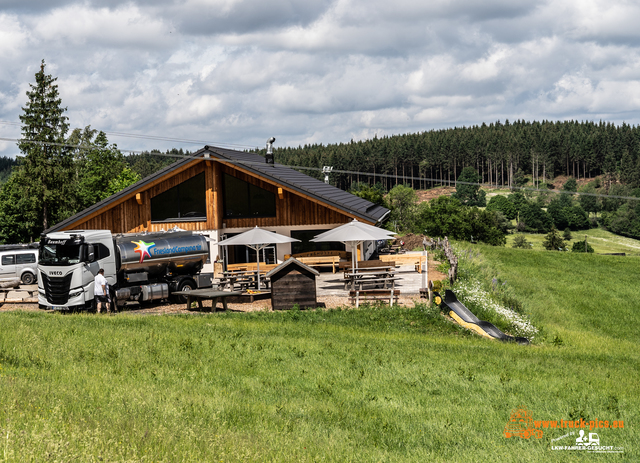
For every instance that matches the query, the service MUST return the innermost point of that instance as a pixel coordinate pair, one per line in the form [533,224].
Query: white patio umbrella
[257,238]
[354,233]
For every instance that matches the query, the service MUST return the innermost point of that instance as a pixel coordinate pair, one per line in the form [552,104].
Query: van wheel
[28,278]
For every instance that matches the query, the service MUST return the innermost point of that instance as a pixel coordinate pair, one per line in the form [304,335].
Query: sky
[185,73]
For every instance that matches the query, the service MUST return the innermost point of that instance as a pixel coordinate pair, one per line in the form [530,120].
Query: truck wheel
[28,278]
[185,285]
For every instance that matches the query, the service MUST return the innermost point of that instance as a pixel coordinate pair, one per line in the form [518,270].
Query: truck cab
[68,264]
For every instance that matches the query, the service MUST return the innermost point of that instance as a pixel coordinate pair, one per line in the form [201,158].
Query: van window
[8,260]
[25,258]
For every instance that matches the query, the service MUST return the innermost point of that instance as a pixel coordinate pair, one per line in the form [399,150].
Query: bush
[502,204]
[521,242]
[579,247]
[567,234]
[553,241]
[536,219]
[468,192]
[445,216]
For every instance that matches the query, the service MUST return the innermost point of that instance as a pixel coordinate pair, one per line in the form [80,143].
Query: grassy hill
[376,384]
[602,241]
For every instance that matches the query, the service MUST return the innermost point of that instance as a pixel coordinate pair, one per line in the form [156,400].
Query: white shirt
[99,282]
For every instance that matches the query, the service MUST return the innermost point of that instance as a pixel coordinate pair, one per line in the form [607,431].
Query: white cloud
[319,71]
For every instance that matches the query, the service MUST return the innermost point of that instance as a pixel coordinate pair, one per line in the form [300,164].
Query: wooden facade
[132,212]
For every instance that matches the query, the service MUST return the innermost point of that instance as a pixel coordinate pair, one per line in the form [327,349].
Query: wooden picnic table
[202,294]
[360,279]
[243,278]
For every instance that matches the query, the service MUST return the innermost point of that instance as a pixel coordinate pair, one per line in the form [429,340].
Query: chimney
[269,156]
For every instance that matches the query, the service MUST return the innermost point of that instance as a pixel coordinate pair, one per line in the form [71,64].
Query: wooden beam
[139,199]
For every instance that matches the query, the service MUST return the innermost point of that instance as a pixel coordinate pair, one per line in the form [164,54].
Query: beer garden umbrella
[257,239]
[354,233]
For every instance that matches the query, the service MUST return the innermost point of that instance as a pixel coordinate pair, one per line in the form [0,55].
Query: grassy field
[602,241]
[376,384]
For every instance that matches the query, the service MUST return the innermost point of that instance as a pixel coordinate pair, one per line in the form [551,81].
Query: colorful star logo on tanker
[143,249]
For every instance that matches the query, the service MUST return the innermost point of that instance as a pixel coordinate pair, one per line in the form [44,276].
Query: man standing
[100,291]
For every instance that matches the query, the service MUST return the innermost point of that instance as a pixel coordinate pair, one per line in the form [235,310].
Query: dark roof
[293,262]
[278,173]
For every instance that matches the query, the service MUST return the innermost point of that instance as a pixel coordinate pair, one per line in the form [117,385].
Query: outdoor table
[383,270]
[202,294]
[243,278]
[360,279]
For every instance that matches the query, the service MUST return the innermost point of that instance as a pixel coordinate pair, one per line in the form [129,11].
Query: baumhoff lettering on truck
[138,267]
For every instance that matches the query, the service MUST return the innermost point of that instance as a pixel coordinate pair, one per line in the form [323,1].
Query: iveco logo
[56,272]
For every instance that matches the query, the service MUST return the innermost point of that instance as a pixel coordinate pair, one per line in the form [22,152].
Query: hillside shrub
[535,218]
[520,241]
[553,241]
[468,192]
[446,216]
[501,203]
[579,246]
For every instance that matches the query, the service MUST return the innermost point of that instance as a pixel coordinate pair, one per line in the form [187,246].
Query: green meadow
[602,241]
[375,384]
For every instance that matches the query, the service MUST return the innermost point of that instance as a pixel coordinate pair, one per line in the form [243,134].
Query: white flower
[472,292]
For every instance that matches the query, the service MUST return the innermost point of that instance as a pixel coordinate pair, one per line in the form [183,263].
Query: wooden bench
[390,295]
[405,259]
[366,264]
[320,261]
[340,254]
[251,266]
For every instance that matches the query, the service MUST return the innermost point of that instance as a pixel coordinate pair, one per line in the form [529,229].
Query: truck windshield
[59,254]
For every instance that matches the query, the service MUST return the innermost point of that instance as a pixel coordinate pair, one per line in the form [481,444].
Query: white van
[19,262]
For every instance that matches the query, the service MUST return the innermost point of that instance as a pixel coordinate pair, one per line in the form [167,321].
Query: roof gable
[276,173]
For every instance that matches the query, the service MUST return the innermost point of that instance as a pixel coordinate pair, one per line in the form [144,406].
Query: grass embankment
[377,384]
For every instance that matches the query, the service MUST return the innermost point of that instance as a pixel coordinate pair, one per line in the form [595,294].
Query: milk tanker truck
[139,267]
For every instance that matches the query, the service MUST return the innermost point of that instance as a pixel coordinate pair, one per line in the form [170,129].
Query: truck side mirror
[91,256]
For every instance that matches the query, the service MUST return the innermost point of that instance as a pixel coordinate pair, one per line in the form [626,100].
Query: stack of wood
[451,257]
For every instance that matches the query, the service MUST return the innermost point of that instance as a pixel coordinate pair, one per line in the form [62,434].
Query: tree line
[501,153]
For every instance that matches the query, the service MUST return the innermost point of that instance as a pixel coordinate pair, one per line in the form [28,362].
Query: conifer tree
[46,167]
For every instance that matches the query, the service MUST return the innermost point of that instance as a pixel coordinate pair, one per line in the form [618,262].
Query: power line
[159,138]
[319,169]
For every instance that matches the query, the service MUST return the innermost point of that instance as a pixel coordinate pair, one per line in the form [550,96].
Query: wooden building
[293,283]
[221,192]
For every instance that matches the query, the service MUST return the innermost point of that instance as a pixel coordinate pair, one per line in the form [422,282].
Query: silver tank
[179,252]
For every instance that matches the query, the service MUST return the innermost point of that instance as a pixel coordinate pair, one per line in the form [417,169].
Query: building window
[306,245]
[243,199]
[184,202]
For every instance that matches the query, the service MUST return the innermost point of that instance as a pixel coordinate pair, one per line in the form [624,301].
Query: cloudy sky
[236,72]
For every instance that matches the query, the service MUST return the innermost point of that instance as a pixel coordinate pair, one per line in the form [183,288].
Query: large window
[184,202]
[242,199]
[306,245]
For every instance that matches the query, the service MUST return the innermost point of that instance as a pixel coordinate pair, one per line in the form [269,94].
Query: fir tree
[553,241]
[46,167]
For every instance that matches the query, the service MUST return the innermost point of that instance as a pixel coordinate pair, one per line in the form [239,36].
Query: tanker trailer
[138,266]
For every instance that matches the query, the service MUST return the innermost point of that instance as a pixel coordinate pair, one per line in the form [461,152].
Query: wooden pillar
[214,200]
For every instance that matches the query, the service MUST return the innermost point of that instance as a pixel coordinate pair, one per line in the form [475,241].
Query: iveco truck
[138,267]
